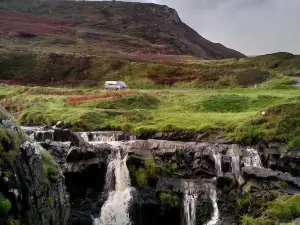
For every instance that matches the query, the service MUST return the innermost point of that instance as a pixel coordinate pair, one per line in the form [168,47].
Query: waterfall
[189,207]
[115,209]
[235,164]
[253,158]
[215,217]
[218,157]
[102,136]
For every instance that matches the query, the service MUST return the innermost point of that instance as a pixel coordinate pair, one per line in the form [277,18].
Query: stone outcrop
[263,171]
[35,199]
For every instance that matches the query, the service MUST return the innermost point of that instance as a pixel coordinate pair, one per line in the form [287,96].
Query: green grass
[235,112]
[279,211]
[128,102]
[280,122]
[285,208]
[247,220]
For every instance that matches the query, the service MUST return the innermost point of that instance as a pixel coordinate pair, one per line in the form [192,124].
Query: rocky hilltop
[102,28]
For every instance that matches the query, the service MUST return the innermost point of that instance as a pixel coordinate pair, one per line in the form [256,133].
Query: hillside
[50,69]
[119,29]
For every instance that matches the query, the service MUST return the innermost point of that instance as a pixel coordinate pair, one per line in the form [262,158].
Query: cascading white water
[235,164]
[253,158]
[101,136]
[218,157]
[115,209]
[189,207]
[215,217]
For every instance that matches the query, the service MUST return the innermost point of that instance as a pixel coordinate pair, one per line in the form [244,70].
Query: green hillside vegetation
[72,70]
[280,211]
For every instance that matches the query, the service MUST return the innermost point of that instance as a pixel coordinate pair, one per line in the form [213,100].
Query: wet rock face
[35,200]
[240,171]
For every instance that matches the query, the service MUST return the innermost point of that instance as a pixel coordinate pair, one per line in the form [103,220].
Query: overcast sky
[249,26]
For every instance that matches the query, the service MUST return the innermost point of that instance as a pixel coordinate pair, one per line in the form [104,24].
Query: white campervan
[115,85]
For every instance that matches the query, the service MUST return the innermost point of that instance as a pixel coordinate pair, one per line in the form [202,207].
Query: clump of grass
[248,220]
[143,174]
[85,98]
[5,205]
[169,199]
[282,209]
[9,146]
[51,168]
[226,103]
[129,102]
[285,208]
[279,82]
[244,203]
[51,202]
[141,177]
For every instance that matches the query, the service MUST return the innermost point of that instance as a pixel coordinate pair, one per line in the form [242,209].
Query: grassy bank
[234,112]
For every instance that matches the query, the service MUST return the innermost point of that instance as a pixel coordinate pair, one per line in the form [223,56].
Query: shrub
[5,204]
[168,199]
[251,77]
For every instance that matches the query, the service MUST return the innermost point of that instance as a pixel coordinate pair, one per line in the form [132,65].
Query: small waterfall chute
[115,210]
[235,164]
[218,163]
[252,158]
[215,216]
[189,207]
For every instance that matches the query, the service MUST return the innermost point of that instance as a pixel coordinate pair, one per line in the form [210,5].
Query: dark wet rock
[181,185]
[78,153]
[59,150]
[35,198]
[268,174]
[35,201]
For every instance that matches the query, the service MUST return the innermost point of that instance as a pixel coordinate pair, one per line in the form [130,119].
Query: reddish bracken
[85,98]
[19,23]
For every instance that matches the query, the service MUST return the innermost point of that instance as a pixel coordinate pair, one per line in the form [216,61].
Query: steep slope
[102,28]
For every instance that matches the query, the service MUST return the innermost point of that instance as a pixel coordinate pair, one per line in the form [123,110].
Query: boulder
[268,174]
